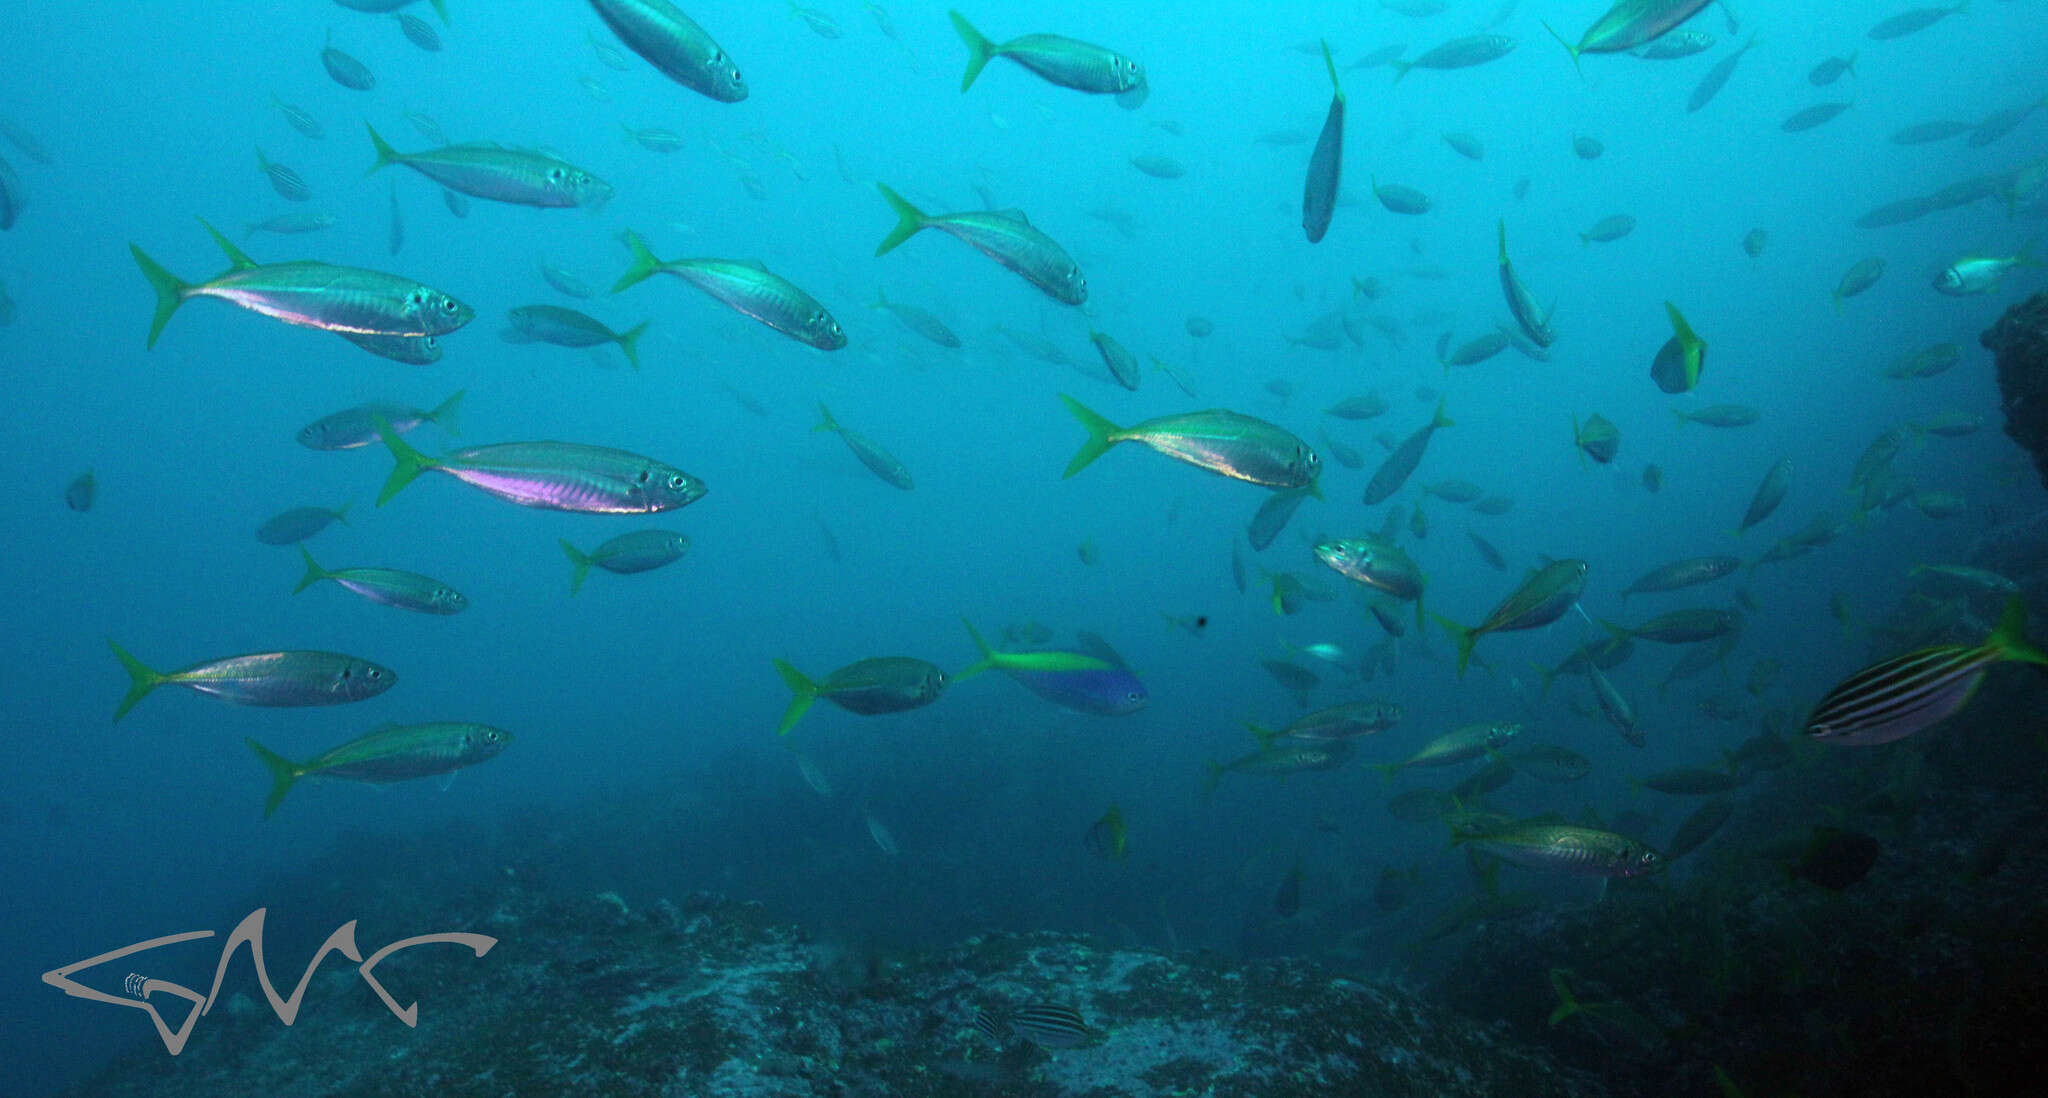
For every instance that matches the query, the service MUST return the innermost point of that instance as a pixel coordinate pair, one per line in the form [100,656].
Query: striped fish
[288,184]
[1049,1025]
[1902,695]
[301,121]
[991,1027]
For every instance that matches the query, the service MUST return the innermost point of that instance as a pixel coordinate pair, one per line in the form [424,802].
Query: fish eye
[373,674]
[557,174]
[448,305]
[491,736]
[677,482]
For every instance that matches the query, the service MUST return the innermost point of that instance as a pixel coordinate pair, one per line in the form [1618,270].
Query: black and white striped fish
[1047,1025]
[1902,695]
[287,183]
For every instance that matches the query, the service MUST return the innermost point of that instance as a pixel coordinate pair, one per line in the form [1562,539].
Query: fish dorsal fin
[237,259]
[1012,214]
[753,265]
[1093,645]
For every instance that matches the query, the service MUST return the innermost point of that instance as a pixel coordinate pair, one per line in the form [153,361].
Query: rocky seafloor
[582,995]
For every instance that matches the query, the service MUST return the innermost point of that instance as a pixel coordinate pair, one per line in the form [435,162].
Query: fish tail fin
[579,561]
[1400,69]
[1331,64]
[881,299]
[629,343]
[237,258]
[1682,419]
[1101,434]
[644,263]
[1387,771]
[1265,735]
[444,412]
[2011,635]
[262,161]
[1501,230]
[283,773]
[314,573]
[1212,774]
[410,462]
[141,679]
[170,292]
[1464,637]
[825,420]
[1837,295]
[979,49]
[988,655]
[1576,444]
[1439,419]
[386,155]
[1548,675]
[804,690]
[1568,48]
[1851,66]
[1585,240]
[440,9]
[1567,1005]
[909,219]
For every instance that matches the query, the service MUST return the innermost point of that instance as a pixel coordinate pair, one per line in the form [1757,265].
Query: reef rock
[2019,342]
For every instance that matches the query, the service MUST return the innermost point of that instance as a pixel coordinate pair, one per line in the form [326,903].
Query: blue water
[657,688]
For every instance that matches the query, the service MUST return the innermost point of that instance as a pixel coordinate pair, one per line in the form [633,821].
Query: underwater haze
[1625,297]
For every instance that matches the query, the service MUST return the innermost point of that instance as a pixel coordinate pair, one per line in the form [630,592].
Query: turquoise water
[662,682]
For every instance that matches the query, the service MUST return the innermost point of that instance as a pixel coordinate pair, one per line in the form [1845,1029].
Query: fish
[1614,705]
[884,840]
[345,69]
[1630,24]
[1954,424]
[1981,578]
[1466,145]
[1376,563]
[879,461]
[1753,243]
[746,287]
[12,197]
[419,32]
[1494,505]
[456,201]
[1005,236]
[299,118]
[1158,166]
[1679,44]
[1810,117]
[1566,848]
[1287,900]
[1653,478]
[676,46]
[1835,858]
[1363,406]
[424,125]
[563,282]
[309,294]
[1895,698]
[1587,148]
[882,684]
[1473,351]
[1400,464]
[654,138]
[78,495]
[1698,827]
[555,476]
[1122,364]
[520,177]
[1293,678]
[291,224]
[1066,62]
[1719,415]
[2001,122]
[1325,164]
[1095,680]
[1281,760]
[1272,517]
[1458,53]
[1541,599]
[638,551]
[1548,762]
[288,184]
[1861,276]
[1597,438]
[1923,133]
[1908,22]
[568,328]
[1716,78]
[1978,274]
[1051,1026]
[1684,626]
[412,350]
[1455,491]
[821,24]
[299,523]
[1107,838]
[1877,457]
[1200,327]
[1347,721]
[1399,199]
[392,753]
[1532,319]
[1679,574]
[1227,443]
[1460,745]
[387,586]
[1608,229]
[1681,359]
[1831,70]
[292,678]
[1487,552]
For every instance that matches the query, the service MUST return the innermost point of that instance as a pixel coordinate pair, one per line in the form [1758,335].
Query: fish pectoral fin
[448,779]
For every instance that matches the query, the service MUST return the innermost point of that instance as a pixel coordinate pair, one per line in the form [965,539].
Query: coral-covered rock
[2019,341]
